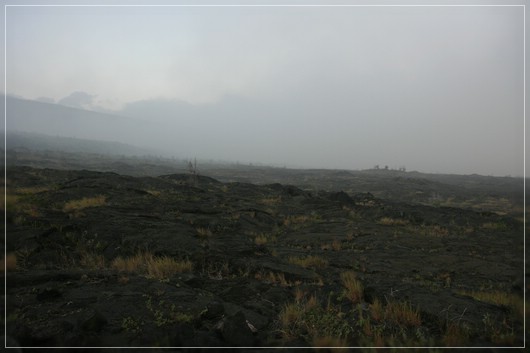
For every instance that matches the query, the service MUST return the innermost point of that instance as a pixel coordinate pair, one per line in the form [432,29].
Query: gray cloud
[45,100]
[431,88]
[78,99]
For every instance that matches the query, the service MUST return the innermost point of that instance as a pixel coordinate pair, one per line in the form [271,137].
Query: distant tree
[376,167]
[386,167]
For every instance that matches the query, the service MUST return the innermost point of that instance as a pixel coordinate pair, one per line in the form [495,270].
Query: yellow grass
[387,221]
[494,226]
[299,219]
[164,267]
[455,336]
[270,201]
[430,230]
[402,313]
[155,193]
[290,314]
[354,288]
[261,239]
[85,202]
[204,232]
[92,261]
[151,266]
[334,342]
[376,310]
[310,261]
[336,245]
[31,190]
[510,300]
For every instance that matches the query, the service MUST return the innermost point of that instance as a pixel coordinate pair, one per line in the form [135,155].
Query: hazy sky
[436,89]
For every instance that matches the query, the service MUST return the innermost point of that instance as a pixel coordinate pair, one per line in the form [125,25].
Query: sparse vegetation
[271,201]
[387,221]
[335,245]
[311,261]
[307,319]
[151,266]
[204,232]
[494,226]
[429,230]
[86,202]
[509,300]
[155,193]
[297,221]
[354,290]
[402,314]
[92,261]
[307,268]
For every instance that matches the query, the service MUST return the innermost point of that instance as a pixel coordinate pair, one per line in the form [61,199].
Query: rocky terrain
[99,259]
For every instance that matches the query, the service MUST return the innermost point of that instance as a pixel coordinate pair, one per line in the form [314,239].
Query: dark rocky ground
[267,262]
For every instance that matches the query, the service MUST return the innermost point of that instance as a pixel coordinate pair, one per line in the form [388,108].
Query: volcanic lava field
[101,259]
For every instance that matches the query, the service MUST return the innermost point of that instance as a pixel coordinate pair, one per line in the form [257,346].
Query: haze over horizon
[432,89]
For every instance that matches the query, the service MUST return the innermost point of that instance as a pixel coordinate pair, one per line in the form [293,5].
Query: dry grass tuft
[291,315]
[402,313]
[509,300]
[499,226]
[354,289]
[31,190]
[271,201]
[85,202]
[336,245]
[151,266]
[164,267]
[204,232]
[333,344]
[262,239]
[154,193]
[296,221]
[92,261]
[387,221]
[455,336]
[310,261]
[376,310]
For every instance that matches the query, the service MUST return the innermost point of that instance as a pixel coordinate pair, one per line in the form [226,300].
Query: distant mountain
[41,142]
[56,120]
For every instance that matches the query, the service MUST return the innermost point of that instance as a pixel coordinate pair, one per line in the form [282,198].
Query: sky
[434,89]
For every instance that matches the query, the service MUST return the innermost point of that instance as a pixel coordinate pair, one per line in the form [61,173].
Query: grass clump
[271,201]
[262,239]
[387,221]
[164,267]
[92,261]
[154,193]
[509,300]
[204,232]
[402,314]
[429,230]
[310,261]
[456,335]
[354,290]
[276,278]
[307,319]
[151,266]
[86,202]
[495,226]
[298,221]
[335,245]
